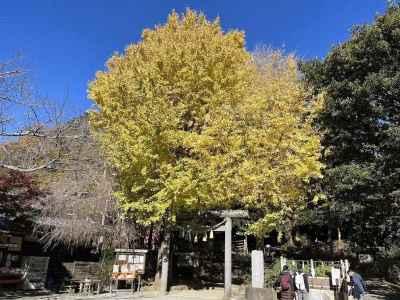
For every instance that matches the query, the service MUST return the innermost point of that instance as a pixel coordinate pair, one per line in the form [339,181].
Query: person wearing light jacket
[301,284]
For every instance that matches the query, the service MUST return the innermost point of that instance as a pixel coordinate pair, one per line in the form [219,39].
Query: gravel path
[213,294]
[378,290]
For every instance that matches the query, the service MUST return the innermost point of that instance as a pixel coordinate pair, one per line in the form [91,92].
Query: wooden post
[228,259]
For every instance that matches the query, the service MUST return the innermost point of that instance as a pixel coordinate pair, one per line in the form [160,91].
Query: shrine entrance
[204,253]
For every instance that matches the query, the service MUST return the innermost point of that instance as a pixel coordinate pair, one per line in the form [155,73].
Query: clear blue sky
[64,42]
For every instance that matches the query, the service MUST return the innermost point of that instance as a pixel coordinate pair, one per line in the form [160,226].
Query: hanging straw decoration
[211,234]
[205,237]
[195,238]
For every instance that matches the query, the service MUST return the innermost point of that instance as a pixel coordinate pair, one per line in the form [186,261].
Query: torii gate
[228,215]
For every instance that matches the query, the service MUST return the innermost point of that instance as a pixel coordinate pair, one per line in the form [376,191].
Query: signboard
[128,262]
[139,262]
[122,257]
[15,243]
[11,243]
[366,258]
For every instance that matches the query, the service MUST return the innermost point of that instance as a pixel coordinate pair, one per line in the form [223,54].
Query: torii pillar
[228,215]
[228,259]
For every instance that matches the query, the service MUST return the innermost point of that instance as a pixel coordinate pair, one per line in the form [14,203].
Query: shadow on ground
[383,290]
[10,295]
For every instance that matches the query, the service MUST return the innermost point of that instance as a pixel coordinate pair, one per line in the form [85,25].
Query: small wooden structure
[11,272]
[129,266]
[36,268]
[84,275]
[240,246]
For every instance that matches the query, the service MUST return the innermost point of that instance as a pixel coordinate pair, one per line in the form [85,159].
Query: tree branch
[39,133]
[33,134]
[22,133]
[10,73]
[48,165]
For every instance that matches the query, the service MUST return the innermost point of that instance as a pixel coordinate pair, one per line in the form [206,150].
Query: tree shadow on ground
[8,294]
[383,290]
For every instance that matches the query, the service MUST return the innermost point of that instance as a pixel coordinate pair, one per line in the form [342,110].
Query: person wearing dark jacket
[359,288]
[285,284]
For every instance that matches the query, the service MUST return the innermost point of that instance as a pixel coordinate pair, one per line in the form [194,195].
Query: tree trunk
[124,239]
[290,239]
[165,251]
[330,241]
[290,234]
[150,240]
[161,277]
[259,243]
[157,277]
[340,245]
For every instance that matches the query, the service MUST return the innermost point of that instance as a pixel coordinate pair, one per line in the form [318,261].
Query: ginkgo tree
[282,146]
[163,107]
[192,122]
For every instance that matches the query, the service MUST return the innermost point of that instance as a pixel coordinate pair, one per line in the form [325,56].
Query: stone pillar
[228,259]
[257,269]
[312,269]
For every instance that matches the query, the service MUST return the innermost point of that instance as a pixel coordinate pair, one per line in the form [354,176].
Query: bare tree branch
[38,123]
[29,170]
[10,73]
[34,133]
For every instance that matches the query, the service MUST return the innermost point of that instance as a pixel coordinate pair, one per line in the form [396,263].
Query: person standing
[285,284]
[358,284]
[301,284]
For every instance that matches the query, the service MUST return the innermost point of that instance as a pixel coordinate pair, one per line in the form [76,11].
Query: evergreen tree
[360,127]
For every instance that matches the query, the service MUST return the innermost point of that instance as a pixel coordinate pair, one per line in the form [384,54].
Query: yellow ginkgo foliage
[191,122]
